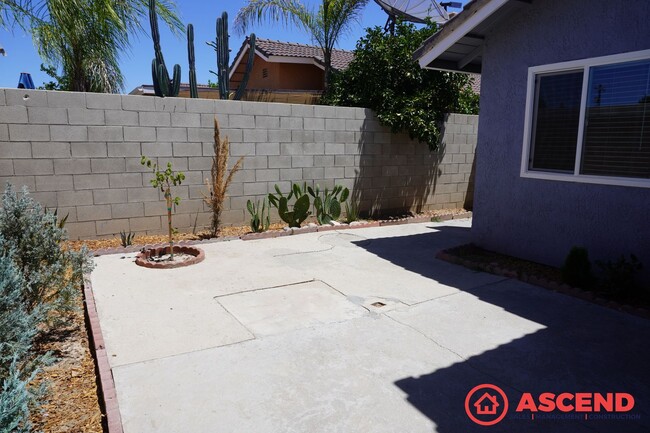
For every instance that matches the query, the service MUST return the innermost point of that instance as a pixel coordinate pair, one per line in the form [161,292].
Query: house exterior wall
[280,76]
[81,152]
[541,220]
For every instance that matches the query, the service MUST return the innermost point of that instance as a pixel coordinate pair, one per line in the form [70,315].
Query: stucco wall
[541,219]
[81,153]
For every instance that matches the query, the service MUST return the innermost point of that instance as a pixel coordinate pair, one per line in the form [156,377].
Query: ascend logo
[487,404]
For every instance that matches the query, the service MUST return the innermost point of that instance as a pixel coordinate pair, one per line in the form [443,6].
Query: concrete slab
[286,308]
[332,378]
[300,347]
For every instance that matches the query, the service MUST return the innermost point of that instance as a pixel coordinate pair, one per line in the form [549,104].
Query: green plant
[325,24]
[219,182]
[328,205]
[86,38]
[194,91]
[300,209]
[576,270]
[351,211]
[260,216]
[126,238]
[17,398]
[164,180]
[34,242]
[384,77]
[619,277]
[162,84]
[221,47]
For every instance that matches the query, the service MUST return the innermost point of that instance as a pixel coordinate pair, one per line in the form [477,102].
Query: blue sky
[136,65]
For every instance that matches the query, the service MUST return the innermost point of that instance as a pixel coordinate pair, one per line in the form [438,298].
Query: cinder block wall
[80,153]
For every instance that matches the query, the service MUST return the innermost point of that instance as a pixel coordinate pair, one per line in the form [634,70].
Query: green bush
[18,327]
[16,400]
[34,242]
[618,278]
[577,268]
[385,78]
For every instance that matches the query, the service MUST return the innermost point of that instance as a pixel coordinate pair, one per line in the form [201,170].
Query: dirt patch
[238,231]
[71,403]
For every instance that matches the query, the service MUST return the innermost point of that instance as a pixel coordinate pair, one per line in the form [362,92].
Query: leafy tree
[384,77]
[87,37]
[59,82]
[325,25]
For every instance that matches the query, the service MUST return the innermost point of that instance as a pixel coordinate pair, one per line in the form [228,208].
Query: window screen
[617,123]
[556,121]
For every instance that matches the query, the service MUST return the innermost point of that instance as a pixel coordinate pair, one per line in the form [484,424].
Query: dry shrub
[218,183]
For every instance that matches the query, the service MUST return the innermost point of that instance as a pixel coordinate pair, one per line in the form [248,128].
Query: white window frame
[585,65]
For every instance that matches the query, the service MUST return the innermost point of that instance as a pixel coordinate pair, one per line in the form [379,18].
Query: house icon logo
[486,404]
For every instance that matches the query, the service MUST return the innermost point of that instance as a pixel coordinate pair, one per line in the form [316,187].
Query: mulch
[71,403]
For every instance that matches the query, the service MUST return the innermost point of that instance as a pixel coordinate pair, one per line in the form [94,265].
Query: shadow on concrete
[581,348]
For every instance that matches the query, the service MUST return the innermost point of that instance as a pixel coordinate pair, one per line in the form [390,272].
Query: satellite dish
[416,11]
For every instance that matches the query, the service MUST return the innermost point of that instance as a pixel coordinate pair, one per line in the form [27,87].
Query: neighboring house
[285,66]
[205,91]
[563,154]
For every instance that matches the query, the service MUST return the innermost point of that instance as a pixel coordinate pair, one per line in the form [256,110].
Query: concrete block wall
[80,153]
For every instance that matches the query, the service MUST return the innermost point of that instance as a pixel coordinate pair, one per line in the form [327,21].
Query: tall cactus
[223,59]
[194,91]
[162,84]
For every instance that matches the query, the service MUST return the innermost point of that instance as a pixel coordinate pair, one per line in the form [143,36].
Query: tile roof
[340,58]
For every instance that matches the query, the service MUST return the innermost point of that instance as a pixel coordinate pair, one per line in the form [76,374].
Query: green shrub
[18,327]
[385,78]
[577,268]
[619,278]
[16,400]
[34,242]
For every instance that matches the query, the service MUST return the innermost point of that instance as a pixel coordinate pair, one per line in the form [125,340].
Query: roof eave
[462,31]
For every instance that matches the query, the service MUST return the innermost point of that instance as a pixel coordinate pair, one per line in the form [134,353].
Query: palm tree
[14,12]
[87,37]
[325,24]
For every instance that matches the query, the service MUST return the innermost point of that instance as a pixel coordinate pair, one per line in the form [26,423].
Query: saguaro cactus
[194,91]
[162,84]
[221,46]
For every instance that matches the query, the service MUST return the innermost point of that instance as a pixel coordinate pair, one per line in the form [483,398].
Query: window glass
[556,120]
[617,123]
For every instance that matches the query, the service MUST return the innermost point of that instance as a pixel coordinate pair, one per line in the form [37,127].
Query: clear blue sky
[136,65]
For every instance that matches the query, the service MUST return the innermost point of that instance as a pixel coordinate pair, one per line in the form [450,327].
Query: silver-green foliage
[34,242]
[328,204]
[16,399]
[260,216]
[300,209]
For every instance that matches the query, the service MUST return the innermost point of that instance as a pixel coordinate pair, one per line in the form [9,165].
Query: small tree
[385,78]
[218,183]
[164,180]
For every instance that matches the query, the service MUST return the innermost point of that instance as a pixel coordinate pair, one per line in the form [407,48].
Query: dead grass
[219,182]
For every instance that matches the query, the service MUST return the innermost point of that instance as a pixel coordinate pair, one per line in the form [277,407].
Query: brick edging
[290,232]
[106,381]
[544,283]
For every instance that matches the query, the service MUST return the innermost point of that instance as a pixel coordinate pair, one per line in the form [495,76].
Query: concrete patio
[281,335]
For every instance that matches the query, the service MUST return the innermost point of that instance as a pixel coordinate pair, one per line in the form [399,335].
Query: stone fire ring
[142,259]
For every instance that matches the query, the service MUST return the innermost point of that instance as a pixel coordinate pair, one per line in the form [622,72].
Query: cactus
[194,91]
[328,206]
[300,210]
[163,86]
[223,59]
[260,217]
